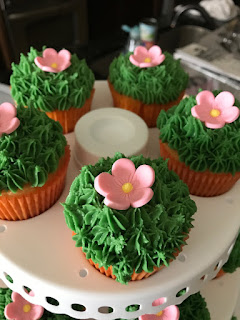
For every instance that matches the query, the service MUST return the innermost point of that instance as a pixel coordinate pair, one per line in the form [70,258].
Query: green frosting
[5,299]
[136,238]
[48,91]
[160,84]
[199,147]
[234,259]
[194,308]
[31,152]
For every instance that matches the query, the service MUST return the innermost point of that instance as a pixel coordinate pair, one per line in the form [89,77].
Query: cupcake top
[30,152]
[158,80]
[234,259]
[148,228]
[205,131]
[48,80]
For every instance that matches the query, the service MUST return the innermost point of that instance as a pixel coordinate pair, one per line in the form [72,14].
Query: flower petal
[230,114]
[11,126]
[36,312]
[170,313]
[155,51]
[133,60]
[105,183]
[123,170]
[49,52]
[205,98]
[215,124]
[8,110]
[141,51]
[146,65]
[118,201]
[65,54]
[158,60]
[139,197]
[11,311]
[202,112]
[144,177]
[224,100]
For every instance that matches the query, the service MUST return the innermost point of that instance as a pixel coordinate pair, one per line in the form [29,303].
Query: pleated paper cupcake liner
[135,276]
[31,201]
[204,184]
[148,112]
[69,118]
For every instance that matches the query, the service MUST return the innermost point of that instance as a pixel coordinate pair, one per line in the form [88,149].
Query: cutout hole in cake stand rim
[3,228]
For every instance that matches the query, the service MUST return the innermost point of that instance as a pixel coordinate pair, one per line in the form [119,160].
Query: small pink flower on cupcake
[126,186]
[169,313]
[8,120]
[53,61]
[21,309]
[144,58]
[215,112]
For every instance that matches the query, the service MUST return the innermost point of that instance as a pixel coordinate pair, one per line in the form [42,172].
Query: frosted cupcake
[57,83]
[200,138]
[125,214]
[146,82]
[34,158]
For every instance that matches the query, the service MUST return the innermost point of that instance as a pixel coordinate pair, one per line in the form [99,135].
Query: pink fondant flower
[126,186]
[215,112]
[144,58]
[8,120]
[51,61]
[21,309]
[169,313]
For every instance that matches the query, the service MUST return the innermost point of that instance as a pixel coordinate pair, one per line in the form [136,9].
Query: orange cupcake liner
[203,184]
[31,201]
[220,274]
[135,276]
[148,112]
[69,118]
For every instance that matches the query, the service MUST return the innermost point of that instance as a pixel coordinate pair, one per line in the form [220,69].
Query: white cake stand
[39,254]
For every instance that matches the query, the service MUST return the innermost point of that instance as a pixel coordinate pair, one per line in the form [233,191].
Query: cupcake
[130,216]
[200,138]
[34,159]
[58,84]
[13,306]
[233,261]
[147,82]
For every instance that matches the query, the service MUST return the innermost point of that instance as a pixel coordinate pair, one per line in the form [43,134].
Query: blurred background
[93,29]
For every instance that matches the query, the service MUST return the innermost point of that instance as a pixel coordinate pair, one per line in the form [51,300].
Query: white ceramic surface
[105,131]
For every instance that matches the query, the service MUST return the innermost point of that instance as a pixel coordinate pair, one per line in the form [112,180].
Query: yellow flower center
[26,308]
[127,187]
[54,65]
[215,113]
[159,313]
[147,60]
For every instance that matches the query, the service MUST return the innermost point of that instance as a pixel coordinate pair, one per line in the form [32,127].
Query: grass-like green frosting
[194,308]
[234,259]
[31,152]
[5,299]
[136,238]
[48,91]
[160,84]
[199,147]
